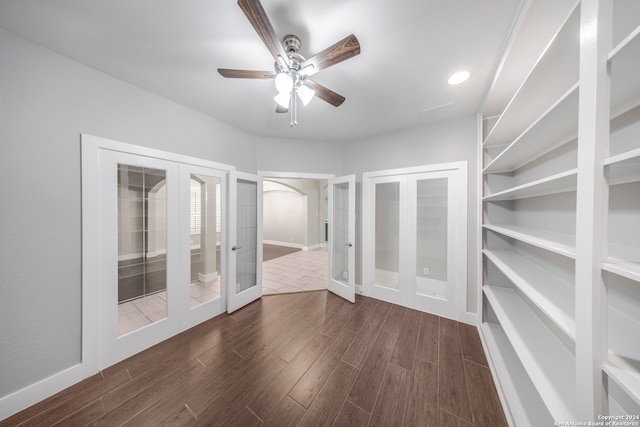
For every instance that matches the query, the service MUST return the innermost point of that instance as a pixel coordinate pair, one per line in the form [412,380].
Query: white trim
[36,392]
[284,244]
[478,225]
[314,247]
[295,245]
[302,175]
[206,278]
[416,169]
[109,144]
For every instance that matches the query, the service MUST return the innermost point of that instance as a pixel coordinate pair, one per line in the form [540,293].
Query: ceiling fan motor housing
[291,46]
[291,43]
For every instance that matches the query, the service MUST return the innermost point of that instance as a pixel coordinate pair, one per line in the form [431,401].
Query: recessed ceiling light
[459,77]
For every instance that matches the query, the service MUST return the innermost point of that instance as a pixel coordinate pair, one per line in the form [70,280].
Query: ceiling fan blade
[346,48]
[256,15]
[245,74]
[326,94]
[281,109]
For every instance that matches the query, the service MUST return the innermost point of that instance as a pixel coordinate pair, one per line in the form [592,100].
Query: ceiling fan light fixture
[284,83]
[459,77]
[283,99]
[306,94]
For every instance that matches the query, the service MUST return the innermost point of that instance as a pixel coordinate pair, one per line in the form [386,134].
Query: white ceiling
[173,48]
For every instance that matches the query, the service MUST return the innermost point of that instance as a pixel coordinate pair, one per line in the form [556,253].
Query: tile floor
[297,272]
[143,311]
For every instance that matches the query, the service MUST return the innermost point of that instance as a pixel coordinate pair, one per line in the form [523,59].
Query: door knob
[348,244]
[233,248]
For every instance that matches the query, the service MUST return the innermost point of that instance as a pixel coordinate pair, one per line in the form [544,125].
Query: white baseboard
[314,247]
[34,393]
[207,278]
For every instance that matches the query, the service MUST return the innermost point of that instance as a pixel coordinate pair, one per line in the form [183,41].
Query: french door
[138,273]
[245,236]
[342,205]
[162,246]
[414,238]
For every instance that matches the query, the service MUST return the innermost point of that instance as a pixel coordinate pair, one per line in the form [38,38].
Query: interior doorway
[294,233]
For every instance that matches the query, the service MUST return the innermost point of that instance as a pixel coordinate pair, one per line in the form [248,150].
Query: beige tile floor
[143,311]
[297,272]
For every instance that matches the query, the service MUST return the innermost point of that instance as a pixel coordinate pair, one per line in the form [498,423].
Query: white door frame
[93,148]
[458,237]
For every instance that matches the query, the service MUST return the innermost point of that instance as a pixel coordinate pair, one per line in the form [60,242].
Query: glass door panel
[205,231]
[436,224]
[142,247]
[431,237]
[387,234]
[247,237]
[138,263]
[246,240]
[340,253]
[341,237]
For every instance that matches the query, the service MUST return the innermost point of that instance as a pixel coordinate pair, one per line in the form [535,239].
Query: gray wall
[292,155]
[280,222]
[439,142]
[284,217]
[46,102]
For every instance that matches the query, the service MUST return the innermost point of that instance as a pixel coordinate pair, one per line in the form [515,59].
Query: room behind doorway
[294,228]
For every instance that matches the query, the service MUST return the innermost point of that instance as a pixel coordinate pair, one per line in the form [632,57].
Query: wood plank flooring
[307,359]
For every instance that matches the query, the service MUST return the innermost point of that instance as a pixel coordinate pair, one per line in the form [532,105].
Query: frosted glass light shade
[306,94]
[283,99]
[284,83]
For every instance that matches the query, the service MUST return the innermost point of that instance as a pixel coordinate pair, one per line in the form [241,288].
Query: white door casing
[100,247]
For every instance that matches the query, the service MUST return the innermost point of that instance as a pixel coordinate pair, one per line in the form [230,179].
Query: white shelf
[552,295]
[624,168]
[559,183]
[525,404]
[626,377]
[555,71]
[551,367]
[557,243]
[625,269]
[556,126]
[625,63]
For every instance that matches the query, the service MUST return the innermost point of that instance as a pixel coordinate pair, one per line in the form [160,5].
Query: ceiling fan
[292,71]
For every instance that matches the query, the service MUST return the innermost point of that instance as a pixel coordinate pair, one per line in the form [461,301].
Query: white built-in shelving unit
[536,327]
[621,264]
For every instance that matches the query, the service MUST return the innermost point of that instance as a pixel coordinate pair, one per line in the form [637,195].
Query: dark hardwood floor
[308,359]
[270,252]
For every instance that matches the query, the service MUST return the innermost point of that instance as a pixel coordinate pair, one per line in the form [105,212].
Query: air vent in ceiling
[440,112]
